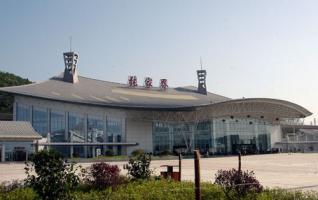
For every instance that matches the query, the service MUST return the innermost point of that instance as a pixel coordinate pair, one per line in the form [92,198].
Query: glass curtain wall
[76,132]
[58,133]
[95,134]
[74,128]
[203,137]
[218,136]
[182,137]
[22,112]
[114,133]
[40,121]
[161,137]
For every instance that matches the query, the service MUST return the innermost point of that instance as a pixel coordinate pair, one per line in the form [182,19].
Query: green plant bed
[161,190]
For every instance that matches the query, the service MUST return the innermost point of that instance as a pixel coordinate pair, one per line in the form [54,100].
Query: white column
[68,137]
[123,136]
[256,135]
[228,138]
[213,129]
[105,134]
[85,134]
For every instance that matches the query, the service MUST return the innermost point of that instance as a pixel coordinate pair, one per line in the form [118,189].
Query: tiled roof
[17,130]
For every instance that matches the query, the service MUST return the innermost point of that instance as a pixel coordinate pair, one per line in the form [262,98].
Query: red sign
[163,84]
[132,81]
[148,82]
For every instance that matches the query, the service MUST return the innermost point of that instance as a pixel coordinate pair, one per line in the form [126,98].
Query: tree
[138,166]
[53,178]
[6,100]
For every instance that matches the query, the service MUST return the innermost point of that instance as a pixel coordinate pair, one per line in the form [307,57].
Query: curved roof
[110,94]
[104,93]
[265,107]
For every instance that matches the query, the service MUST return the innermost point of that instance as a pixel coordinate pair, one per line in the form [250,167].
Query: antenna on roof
[70,43]
[201,62]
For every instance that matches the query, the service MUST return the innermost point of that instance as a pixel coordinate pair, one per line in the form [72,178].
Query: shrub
[138,167]
[19,194]
[164,189]
[109,152]
[237,184]
[137,152]
[53,178]
[102,175]
[166,153]
[8,186]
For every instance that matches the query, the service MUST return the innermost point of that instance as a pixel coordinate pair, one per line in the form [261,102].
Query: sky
[256,48]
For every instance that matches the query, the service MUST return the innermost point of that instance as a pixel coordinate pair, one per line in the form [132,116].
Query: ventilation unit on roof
[70,72]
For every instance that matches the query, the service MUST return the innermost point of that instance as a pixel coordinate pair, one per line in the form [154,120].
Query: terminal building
[85,117]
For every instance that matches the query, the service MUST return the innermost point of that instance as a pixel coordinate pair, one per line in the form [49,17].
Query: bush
[165,153]
[237,184]
[109,152]
[138,167]
[164,189]
[19,194]
[53,177]
[8,186]
[103,175]
[137,152]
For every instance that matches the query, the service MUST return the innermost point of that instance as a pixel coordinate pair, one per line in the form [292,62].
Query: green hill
[6,100]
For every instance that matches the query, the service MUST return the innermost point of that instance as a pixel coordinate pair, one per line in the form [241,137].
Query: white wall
[141,132]
[276,134]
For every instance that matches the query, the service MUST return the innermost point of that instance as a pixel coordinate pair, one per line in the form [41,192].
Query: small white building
[16,140]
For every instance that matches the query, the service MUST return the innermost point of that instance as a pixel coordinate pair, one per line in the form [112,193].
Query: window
[114,132]
[58,127]
[95,130]
[23,112]
[40,121]
[76,130]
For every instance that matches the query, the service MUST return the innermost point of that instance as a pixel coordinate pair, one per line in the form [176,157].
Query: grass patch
[160,190]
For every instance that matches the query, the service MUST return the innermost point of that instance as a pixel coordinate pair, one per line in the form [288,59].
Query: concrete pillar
[123,136]
[256,132]
[228,138]
[68,138]
[85,134]
[105,134]
[213,129]
[170,134]
[48,120]
[93,151]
